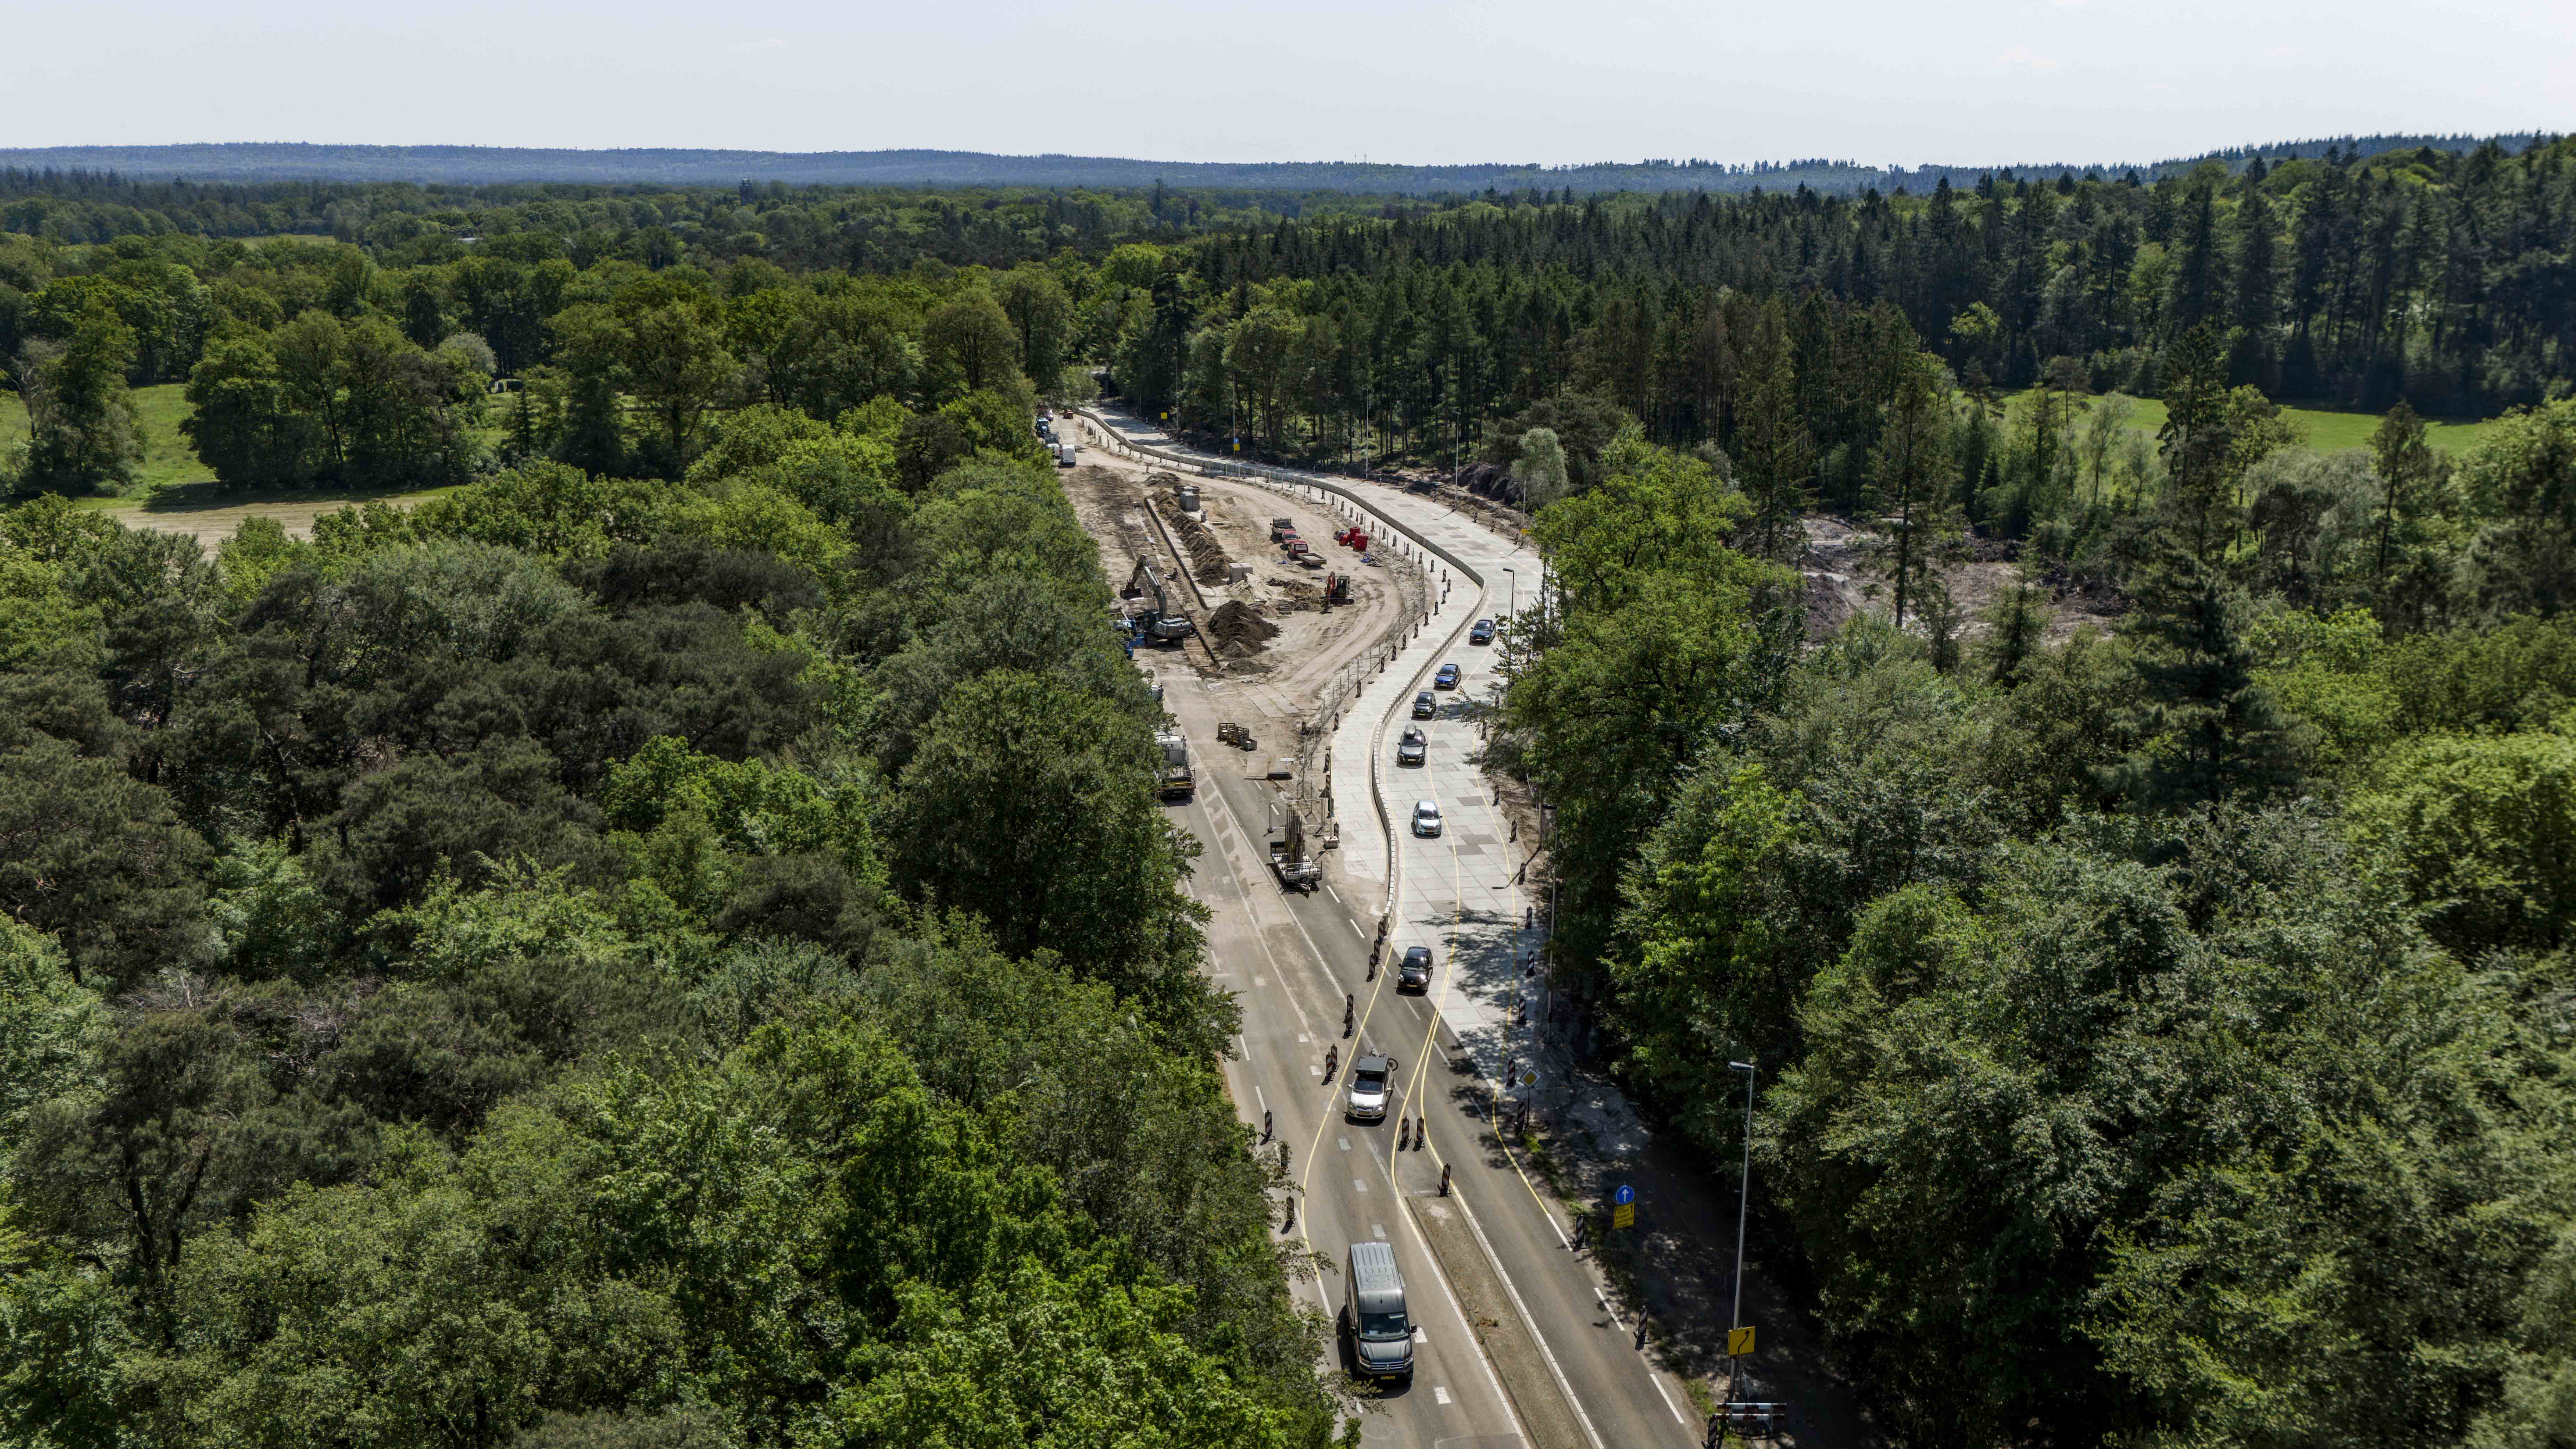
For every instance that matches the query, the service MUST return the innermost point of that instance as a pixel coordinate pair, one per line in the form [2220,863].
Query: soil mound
[1235,623]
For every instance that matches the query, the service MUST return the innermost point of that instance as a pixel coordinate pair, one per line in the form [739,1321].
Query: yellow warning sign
[1739,1341]
[1624,1215]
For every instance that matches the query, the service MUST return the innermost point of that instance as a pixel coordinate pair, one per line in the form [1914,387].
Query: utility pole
[1743,1205]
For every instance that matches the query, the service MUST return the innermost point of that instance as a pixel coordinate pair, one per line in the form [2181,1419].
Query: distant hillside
[480,165]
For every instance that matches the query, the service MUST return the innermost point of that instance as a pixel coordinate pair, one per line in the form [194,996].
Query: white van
[1373,1314]
[1064,455]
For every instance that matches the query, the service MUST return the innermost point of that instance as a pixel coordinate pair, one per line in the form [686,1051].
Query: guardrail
[1287,478]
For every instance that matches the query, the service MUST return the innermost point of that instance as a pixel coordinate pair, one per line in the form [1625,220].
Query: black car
[1447,678]
[1410,750]
[1424,706]
[1415,973]
[1482,633]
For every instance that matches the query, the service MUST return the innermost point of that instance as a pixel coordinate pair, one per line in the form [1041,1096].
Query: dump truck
[1289,858]
[1175,780]
[1281,527]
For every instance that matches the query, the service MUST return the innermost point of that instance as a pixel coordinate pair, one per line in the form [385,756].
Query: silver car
[1372,1082]
[1426,819]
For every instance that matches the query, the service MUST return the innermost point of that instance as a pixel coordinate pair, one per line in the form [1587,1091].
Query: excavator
[1165,618]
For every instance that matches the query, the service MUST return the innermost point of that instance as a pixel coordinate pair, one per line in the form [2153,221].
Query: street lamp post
[1514,611]
[1743,1204]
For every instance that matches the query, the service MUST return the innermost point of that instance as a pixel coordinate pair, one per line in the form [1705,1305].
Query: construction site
[1247,587]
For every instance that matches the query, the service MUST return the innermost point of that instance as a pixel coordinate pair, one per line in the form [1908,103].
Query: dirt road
[210,517]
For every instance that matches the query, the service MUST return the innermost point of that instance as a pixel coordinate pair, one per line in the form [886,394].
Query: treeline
[599,961]
[2162,1036]
[1417,333]
[855,227]
[2416,276]
[1275,184]
[314,365]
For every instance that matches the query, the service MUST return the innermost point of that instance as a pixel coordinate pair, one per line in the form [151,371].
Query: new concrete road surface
[1518,1341]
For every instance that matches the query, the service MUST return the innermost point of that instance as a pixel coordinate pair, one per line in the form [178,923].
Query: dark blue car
[1447,678]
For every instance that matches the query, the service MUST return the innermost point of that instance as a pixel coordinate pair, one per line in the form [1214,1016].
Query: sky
[1964,82]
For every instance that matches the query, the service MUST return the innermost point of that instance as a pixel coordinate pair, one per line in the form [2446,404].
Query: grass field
[169,461]
[2332,432]
[167,457]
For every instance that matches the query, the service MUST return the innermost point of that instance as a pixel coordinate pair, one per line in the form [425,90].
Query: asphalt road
[1293,960]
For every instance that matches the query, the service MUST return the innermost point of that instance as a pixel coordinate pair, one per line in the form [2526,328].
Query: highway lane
[1457,894]
[1292,1003]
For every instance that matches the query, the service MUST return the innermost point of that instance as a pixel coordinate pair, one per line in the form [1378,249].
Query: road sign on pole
[1624,1195]
[1739,1341]
[1624,1215]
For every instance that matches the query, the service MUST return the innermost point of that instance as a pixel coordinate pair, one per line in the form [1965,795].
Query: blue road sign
[1624,1196]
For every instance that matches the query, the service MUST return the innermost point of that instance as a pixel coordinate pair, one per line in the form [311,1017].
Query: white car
[1426,818]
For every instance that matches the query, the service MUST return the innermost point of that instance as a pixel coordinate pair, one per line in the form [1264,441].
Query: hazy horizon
[1415,84]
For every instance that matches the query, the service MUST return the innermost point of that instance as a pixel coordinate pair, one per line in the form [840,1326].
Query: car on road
[1373,1318]
[1410,749]
[1372,1082]
[1424,705]
[1447,678]
[1414,974]
[1426,818]
[1482,632]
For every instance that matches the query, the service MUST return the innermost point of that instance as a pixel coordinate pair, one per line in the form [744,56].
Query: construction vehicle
[1280,528]
[1163,617]
[1337,589]
[1175,781]
[1289,859]
[1353,537]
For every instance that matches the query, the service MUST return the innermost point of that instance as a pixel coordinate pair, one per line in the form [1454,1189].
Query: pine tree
[2403,460]
[1910,476]
[2257,275]
[2195,439]
[2212,734]
[2200,266]
[1774,452]
[2015,624]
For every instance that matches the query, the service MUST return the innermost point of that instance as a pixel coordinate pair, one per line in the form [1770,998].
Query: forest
[616,949]
[2165,1030]
[563,964]
[2433,278]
